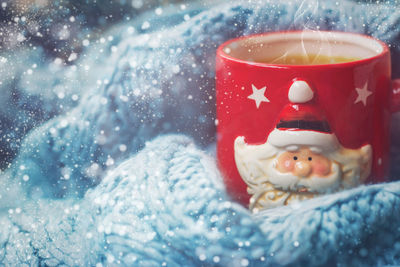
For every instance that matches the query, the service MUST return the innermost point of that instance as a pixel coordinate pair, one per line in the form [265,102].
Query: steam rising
[304,19]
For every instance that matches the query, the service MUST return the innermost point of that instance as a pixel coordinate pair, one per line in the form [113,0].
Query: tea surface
[310,59]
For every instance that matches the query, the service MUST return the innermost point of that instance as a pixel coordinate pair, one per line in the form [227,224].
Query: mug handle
[395,98]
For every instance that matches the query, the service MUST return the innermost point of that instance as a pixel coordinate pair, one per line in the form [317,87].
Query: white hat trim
[324,141]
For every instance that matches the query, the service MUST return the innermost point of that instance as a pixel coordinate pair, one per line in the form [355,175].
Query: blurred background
[41,43]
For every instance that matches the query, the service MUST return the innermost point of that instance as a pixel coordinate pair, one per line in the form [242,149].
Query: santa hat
[303,123]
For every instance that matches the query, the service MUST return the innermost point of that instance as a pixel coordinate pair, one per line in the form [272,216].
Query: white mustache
[315,184]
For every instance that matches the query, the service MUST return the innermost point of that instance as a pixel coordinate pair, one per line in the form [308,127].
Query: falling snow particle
[145,25]
[244,262]
[158,11]
[202,257]
[61,95]
[176,69]
[20,37]
[122,148]
[85,42]
[58,61]
[216,259]
[137,3]
[25,178]
[296,243]
[72,57]
[110,162]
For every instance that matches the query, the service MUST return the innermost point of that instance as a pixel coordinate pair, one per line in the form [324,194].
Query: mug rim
[222,54]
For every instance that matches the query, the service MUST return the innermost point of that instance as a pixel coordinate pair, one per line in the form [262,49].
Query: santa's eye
[295,158]
[309,158]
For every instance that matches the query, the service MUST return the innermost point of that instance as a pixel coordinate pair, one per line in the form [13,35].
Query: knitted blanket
[79,191]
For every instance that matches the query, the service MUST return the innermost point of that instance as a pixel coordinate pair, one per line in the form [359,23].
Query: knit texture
[79,192]
[167,206]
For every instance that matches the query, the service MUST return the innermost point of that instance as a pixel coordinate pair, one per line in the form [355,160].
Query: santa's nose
[302,169]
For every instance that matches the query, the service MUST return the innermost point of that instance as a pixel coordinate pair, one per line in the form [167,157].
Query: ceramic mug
[302,113]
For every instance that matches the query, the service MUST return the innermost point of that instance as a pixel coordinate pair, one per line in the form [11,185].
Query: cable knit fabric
[167,206]
[79,192]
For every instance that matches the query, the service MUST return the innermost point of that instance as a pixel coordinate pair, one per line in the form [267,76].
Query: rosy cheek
[321,168]
[285,165]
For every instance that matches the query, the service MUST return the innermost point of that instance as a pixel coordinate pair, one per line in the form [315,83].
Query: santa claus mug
[301,114]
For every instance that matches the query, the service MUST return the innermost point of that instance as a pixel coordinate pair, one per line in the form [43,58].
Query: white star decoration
[363,94]
[258,95]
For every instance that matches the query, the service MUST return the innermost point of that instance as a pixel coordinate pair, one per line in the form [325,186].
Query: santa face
[303,171]
[281,175]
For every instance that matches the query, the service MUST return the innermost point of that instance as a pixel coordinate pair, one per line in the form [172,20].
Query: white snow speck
[202,257]
[61,95]
[145,25]
[72,57]
[25,178]
[85,42]
[216,259]
[20,37]
[103,101]
[110,162]
[110,258]
[131,30]
[158,11]
[244,262]
[296,243]
[58,61]
[176,69]
[137,3]
[122,148]
[63,123]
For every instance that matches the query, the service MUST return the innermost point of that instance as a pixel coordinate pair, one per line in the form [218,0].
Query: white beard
[271,188]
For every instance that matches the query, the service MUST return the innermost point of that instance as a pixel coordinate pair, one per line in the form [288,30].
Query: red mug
[302,113]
